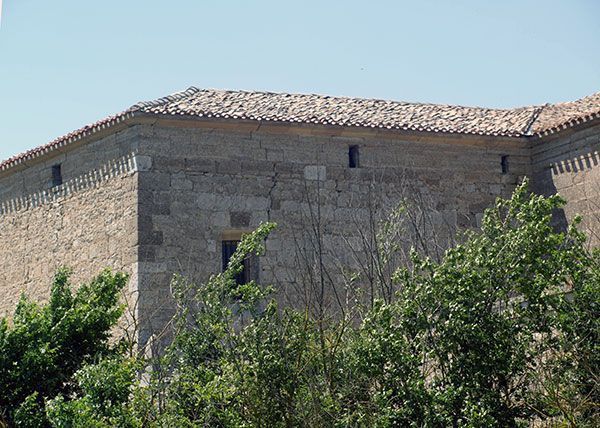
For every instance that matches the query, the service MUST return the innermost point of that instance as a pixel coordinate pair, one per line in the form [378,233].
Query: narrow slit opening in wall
[353,156]
[228,248]
[57,179]
[504,164]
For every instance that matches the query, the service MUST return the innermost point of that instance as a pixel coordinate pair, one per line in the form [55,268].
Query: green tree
[104,391]
[46,344]
[467,340]
[501,331]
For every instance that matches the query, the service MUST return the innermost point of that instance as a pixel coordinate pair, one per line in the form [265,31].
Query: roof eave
[83,135]
[132,117]
[573,125]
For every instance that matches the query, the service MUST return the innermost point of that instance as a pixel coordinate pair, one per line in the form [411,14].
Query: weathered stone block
[240,219]
[180,181]
[143,163]
[315,172]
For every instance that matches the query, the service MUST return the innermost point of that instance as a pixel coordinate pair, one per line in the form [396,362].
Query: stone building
[170,185]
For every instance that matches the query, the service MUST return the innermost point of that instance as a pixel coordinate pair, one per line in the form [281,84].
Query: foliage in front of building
[44,346]
[501,331]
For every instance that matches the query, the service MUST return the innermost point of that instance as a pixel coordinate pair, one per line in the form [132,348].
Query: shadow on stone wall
[115,168]
[563,171]
[576,164]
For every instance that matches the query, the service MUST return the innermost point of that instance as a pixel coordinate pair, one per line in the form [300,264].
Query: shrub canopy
[502,331]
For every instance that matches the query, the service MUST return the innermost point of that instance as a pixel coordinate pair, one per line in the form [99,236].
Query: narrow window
[57,179]
[353,157]
[504,164]
[227,250]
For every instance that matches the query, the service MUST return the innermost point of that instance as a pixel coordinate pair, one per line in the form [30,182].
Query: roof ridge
[356,98]
[534,116]
[175,96]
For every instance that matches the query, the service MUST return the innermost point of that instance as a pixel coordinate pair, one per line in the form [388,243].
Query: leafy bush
[104,392]
[46,344]
[502,331]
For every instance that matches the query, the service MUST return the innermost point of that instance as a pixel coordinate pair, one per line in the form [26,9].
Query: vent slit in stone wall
[504,164]
[353,155]
[250,266]
[57,179]
[228,248]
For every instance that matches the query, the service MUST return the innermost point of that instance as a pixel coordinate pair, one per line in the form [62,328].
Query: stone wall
[87,231]
[205,183]
[568,164]
[158,198]
[88,223]
[76,161]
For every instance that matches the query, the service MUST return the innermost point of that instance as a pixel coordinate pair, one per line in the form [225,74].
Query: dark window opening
[353,157]
[504,164]
[228,248]
[57,179]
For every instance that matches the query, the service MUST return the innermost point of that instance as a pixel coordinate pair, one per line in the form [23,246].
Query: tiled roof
[64,140]
[343,111]
[554,117]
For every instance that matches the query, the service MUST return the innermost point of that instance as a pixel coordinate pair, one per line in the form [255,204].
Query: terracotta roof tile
[554,117]
[343,111]
[65,140]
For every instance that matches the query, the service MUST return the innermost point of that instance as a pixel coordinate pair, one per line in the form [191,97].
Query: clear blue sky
[65,63]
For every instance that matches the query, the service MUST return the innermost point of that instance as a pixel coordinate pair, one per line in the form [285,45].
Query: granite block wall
[203,184]
[75,162]
[568,164]
[158,198]
[88,223]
